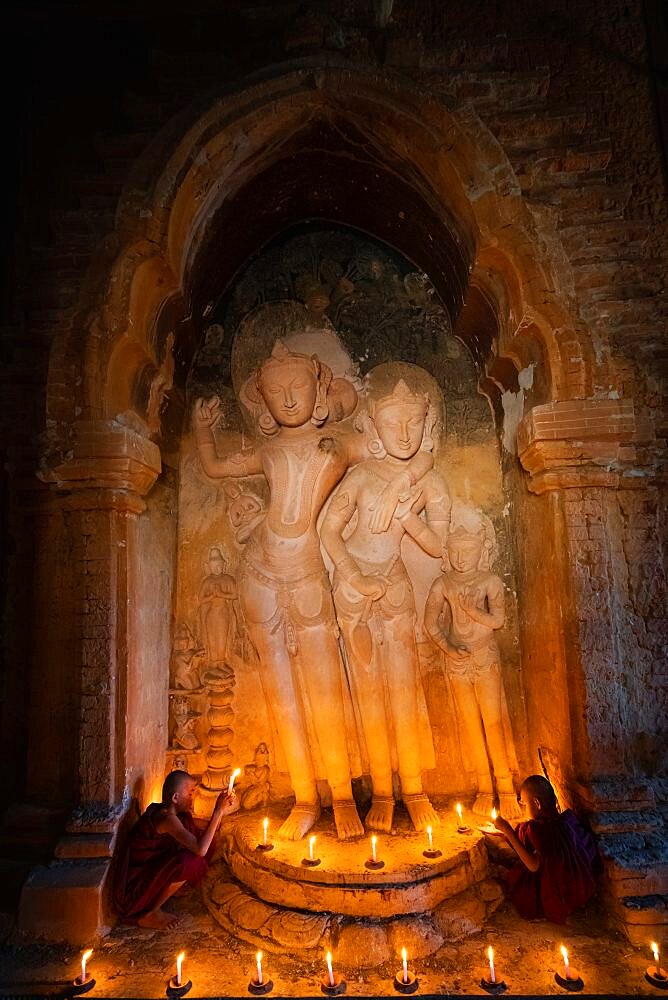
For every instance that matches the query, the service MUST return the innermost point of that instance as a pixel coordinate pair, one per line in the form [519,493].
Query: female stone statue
[464,608]
[283,586]
[373,594]
[216,610]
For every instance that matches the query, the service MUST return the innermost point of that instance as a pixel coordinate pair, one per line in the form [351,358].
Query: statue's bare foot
[421,811]
[508,805]
[379,816]
[302,817]
[483,804]
[158,920]
[348,823]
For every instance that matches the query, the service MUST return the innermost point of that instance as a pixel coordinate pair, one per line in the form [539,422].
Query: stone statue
[464,608]
[184,652]
[217,595]
[257,781]
[284,590]
[373,595]
[184,723]
[245,511]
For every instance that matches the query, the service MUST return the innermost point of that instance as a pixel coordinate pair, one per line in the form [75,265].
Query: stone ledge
[65,901]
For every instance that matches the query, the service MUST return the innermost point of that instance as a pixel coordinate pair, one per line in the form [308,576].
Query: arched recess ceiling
[329,171]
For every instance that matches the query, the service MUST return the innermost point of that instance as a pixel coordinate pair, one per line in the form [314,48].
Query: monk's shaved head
[174,781]
[541,789]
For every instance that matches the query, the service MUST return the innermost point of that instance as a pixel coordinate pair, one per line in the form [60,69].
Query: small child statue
[464,608]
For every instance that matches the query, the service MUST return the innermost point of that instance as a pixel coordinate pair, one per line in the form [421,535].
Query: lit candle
[431,840]
[235,774]
[490,956]
[655,951]
[310,847]
[86,955]
[404,961]
[494,814]
[374,840]
[329,969]
[179,963]
[258,959]
[458,807]
[265,827]
[566,965]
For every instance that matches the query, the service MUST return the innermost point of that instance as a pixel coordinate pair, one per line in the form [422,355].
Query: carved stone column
[99,490]
[593,459]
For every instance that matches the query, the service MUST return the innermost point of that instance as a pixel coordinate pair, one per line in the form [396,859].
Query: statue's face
[216,565]
[243,510]
[464,551]
[289,390]
[400,427]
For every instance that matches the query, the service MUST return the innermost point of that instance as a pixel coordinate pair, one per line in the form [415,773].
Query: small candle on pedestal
[405,981]
[655,974]
[311,861]
[265,845]
[235,774]
[570,980]
[489,982]
[430,852]
[84,982]
[176,987]
[332,984]
[461,827]
[258,985]
[373,861]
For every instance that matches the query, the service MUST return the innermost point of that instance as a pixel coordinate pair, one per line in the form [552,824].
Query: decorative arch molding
[423,141]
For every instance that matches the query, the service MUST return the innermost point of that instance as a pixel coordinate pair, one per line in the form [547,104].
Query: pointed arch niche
[348,149]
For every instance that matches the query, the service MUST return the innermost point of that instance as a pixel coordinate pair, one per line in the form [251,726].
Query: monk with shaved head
[164,851]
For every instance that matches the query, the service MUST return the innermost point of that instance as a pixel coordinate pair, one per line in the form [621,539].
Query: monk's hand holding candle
[226,803]
[503,826]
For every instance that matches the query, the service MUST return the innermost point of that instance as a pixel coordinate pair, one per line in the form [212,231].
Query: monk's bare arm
[205,417]
[171,824]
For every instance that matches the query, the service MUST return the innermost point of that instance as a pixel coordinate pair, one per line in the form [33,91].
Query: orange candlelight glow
[490,956]
[494,814]
[655,951]
[235,774]
[458,807]
[404,961]
[265,827]
[310,847]
[84,958]
[566,965]
[179,964]
[374,841]
[258,960]
[329,969]
[431,841]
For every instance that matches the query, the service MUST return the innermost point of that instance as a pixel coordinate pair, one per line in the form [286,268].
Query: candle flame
[458,807]
[655,951]
[312,840]
[329,958]
[564,953]
[494,813]
[265,823]
[403,954]
[179,963]
[374,840]
[490,953]
[429,831]
[84,958]
[258,957]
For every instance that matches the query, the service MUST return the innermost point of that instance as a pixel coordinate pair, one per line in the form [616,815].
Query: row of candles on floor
[373,861]
[405,980]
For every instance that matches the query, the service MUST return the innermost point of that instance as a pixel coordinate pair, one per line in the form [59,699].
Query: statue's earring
[373,442]
[428,442]
[266,422]
[320,409]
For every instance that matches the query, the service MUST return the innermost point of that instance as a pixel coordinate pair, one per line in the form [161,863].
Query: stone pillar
[588,454]
[99,490]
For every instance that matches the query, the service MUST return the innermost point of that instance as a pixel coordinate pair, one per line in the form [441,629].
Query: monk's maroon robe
[565,879]
[151,861]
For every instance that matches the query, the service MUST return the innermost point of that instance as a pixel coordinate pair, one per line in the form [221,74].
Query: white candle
[310,847]
[490,956]
[566,965]
[404,962]
[265,827]
[329,969]
[494,814]
[235,774]
[258,959]
[655,951]
[179,963]
[84,958]
[458,807]
[373,847]
[431,842]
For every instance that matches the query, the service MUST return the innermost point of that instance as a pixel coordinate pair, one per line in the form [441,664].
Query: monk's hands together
[226,803]
[502,825]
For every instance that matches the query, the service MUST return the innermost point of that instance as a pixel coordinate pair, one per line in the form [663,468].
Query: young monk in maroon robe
[164,851]
[557,856]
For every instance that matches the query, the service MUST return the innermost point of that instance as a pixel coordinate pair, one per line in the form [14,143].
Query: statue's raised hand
[207,411]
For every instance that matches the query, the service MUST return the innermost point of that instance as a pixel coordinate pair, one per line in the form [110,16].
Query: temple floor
[133,962]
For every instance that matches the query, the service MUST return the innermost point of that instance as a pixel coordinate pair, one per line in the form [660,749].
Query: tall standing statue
[464,609]
[283,587]
[373,594]
[217,595]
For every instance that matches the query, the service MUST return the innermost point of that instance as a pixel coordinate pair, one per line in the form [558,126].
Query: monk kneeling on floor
[164,851]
